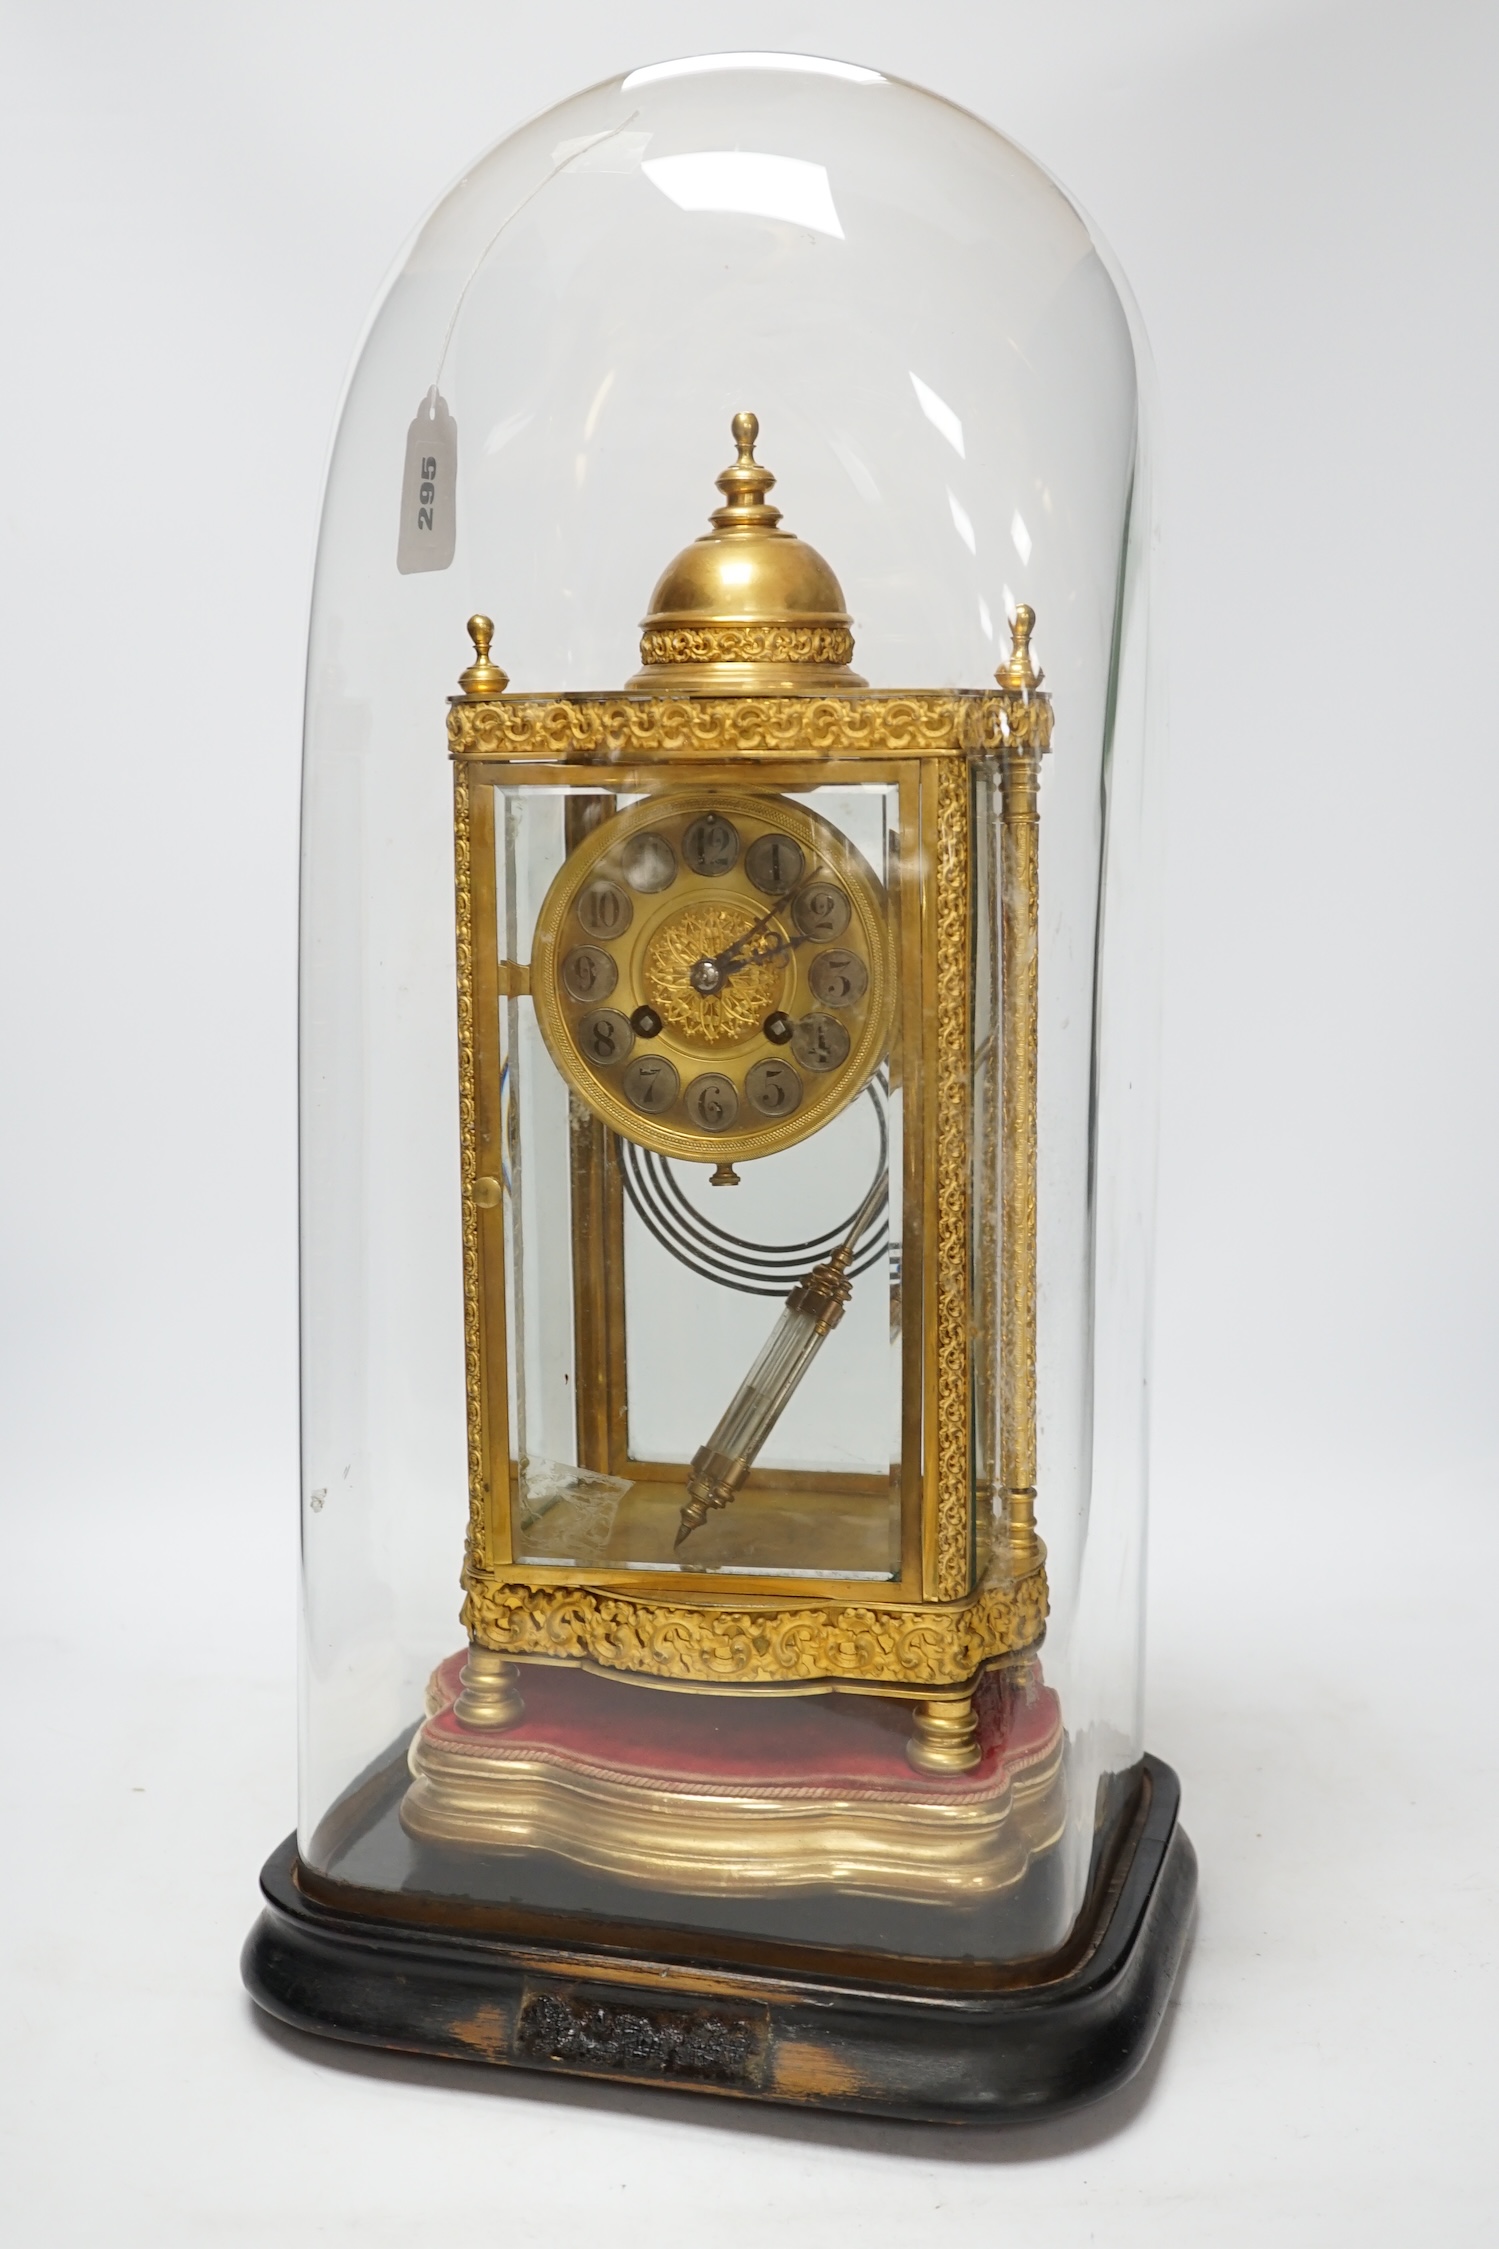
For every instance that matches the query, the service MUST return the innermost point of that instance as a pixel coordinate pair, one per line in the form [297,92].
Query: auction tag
[429,489]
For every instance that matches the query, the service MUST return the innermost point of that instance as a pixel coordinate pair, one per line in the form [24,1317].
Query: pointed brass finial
[745,484]
[1025,710]
[1017,673]
[483,679]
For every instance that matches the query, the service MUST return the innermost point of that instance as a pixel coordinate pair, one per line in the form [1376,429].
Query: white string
[596,141]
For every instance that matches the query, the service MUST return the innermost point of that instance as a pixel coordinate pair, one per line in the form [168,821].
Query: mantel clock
[795,1261]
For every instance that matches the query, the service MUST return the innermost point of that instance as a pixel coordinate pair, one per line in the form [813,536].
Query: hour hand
[744,953]
[711,975]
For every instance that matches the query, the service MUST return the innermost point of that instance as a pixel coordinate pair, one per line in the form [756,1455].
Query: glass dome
[831,789]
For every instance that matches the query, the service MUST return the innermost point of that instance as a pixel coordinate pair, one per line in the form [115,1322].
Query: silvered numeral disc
[712,1102]
[604,909]
[604,1036]
[774,864]
[821,911]
[711,845]
[819,1042]
[773,1088]
[590,974]
[650,1084]
[649,863]
[838,979]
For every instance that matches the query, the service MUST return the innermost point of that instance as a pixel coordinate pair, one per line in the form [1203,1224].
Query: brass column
[1028,736]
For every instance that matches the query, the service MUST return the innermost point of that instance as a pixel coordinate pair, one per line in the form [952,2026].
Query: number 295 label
[429,488]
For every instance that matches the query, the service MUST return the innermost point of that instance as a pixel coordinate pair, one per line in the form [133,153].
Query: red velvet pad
[767,1745]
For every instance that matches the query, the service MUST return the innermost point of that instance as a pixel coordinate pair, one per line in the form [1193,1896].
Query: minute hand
[731,958]
[729,963]
[727,959]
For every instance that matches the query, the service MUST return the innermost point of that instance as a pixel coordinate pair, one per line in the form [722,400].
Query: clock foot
[944,1737]
[490,1695]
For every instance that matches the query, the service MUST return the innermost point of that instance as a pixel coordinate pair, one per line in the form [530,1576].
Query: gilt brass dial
[712,973]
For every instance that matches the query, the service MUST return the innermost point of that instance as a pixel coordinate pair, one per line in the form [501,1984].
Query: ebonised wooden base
[916,2039]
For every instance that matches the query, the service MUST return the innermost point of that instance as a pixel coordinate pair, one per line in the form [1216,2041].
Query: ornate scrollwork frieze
[468,1130]
[597,728]
[747,644]
[953,1102]
[896,1646]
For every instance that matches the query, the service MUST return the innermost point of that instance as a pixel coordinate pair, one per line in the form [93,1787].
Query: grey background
[200,203]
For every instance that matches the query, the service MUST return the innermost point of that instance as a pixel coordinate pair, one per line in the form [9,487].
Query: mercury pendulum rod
[811,1312]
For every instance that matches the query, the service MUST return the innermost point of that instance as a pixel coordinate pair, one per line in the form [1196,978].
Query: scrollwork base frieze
[865,1644]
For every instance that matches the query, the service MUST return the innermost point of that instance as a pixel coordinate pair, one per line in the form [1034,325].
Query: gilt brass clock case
[797,919]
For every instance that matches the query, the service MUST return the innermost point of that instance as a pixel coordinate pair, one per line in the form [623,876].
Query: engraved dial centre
[720,1008]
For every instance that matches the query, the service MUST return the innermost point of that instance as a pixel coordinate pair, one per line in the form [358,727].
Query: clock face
[712,973]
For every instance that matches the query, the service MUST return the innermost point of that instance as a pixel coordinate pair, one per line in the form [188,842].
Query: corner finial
[1017,673]
[745,485]
[482,680]
[1024,711]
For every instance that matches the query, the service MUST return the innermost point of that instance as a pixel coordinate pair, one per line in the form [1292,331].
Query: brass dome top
[747,609]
